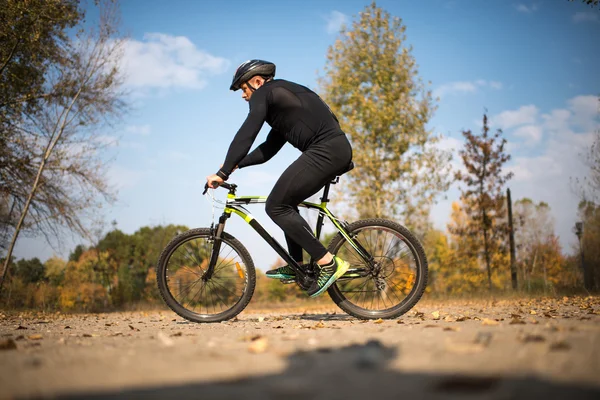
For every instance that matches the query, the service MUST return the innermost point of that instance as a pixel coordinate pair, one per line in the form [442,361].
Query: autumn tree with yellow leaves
[372,85]
[484,157]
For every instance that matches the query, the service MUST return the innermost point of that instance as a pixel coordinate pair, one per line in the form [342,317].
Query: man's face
[246,91]
[256,82]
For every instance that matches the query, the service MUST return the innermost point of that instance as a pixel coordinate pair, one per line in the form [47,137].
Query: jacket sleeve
[265,151]
[246,135]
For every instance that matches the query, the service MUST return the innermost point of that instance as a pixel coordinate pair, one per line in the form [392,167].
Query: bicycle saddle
[349,168]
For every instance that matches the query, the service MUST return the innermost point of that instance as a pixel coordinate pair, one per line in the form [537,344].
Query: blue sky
[532,65]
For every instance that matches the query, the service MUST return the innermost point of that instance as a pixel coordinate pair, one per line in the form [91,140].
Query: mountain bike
[207,275]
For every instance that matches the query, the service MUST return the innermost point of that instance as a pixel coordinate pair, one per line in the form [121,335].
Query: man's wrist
[223,175]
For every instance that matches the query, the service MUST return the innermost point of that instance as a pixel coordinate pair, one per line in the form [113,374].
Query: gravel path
[486,350]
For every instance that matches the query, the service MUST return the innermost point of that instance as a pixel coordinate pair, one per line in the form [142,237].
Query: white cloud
[585,17]
[165,61]
[586,110]
[335,20]
[512,118]
[557,120]
[142,130]
[531,133]
[526,9]
[562,135]
[453,88]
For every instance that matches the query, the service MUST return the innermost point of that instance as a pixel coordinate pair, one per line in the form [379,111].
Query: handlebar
[228,186]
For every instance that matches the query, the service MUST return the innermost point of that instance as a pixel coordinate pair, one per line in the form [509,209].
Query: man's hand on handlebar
[213,181]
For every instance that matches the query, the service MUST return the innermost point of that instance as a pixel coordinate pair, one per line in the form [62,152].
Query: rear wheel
[395,279]
[183,284]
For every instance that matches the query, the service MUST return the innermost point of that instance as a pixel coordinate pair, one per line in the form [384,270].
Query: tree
[484,157]
[66,182]
[33,37]
[30,271]
[588,191]
[55,270]
[591,3]
[589,214]
[538,252]
[371,83]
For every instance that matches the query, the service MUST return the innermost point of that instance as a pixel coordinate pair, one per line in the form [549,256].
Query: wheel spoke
[395,269]
[214,297]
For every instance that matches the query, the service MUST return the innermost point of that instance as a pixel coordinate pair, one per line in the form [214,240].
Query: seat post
[325,198]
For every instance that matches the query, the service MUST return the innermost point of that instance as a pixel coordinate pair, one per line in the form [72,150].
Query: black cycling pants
[319,164]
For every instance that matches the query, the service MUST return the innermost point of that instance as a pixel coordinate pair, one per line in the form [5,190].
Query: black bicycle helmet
[249,69]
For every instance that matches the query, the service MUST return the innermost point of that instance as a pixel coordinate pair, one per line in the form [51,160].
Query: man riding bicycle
[296,115]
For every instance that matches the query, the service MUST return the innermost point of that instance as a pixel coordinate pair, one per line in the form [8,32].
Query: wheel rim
[185,268]
[391,282]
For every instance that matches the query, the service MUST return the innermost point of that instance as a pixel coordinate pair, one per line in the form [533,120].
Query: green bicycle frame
[235,205]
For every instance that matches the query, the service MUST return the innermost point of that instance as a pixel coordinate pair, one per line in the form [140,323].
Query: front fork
[216,248]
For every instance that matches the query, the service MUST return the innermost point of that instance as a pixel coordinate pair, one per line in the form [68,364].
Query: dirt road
[483,350]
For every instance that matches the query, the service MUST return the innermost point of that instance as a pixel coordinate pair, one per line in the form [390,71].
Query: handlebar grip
[224,185]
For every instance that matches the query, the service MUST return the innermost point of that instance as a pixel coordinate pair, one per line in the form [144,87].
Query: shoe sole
[340,271]
[280,276]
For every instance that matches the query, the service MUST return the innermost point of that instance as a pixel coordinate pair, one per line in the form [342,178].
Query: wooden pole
[513,264]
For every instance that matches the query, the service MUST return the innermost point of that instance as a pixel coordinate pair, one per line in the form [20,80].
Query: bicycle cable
[214,200]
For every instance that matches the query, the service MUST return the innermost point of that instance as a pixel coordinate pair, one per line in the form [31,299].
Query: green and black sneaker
[285,272]
[328,274]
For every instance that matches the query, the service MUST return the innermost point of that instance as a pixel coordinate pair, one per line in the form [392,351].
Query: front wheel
[195,295]
[392,282]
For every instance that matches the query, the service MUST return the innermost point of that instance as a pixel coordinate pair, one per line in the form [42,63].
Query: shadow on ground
[357,371]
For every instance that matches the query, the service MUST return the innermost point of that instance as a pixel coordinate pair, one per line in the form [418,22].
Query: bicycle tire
[421,271]
[181,310]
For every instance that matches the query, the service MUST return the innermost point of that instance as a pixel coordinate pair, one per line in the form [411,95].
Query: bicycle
[219,271]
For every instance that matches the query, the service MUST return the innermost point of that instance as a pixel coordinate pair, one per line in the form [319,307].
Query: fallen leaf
[258,346]
[436,315]
[176,334]
[532,312]
[319,324]
[449,319]
[378,321]
[532,338]
[37,336]
[8,344]
[489,322]
[68,327]
[560,345]
[86,335]
[21,327]
[250,338]
[399,322]
[419,314]
[261,319]
[131,327]
[462,318]
[452,328]
[516,321]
